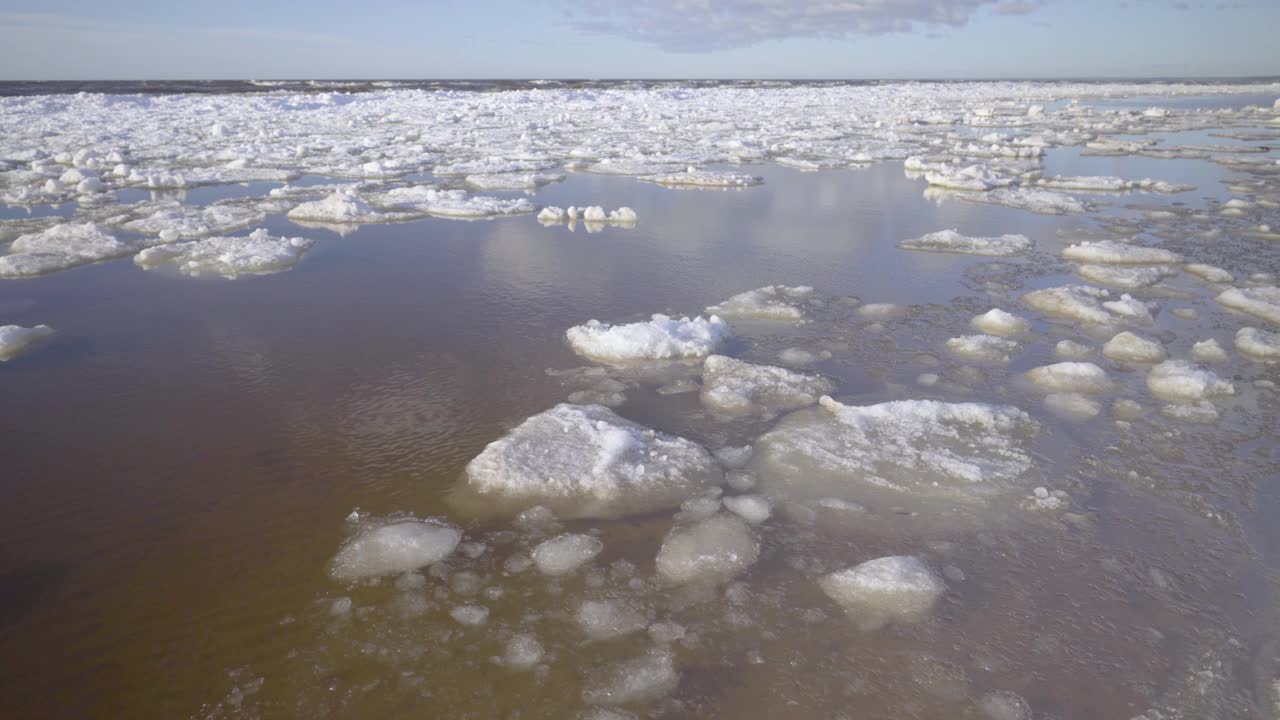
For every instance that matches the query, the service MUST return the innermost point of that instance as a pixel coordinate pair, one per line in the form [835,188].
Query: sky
[814,39]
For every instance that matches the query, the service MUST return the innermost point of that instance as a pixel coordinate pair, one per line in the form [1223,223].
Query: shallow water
[179,465]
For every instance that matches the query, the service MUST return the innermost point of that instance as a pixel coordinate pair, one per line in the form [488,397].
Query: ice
[1073,302]
[1071,350]
[426,200]
[522,652]
[982,348]
[1072,406]
[1129,307]
[661,338]
[736,387]
[394,546]
[752,508]
[341,207]
[605,619]
[693,177]
[950,241]
[998,322]
[15,339]
[1128,347]
[1207,351]
[585,461]
[183,222]
[894,589]
[644,679]
[1125,278]
[1110,252]
[799,357]
[1082,377]
[1004,705]
[551,215]
[1044,202]
[978,178]
[1263,301]
[61,247]
[470,615]
[1201,411]
[1209,273]
[881,311]
[565,553]
[257,254]
[712,550]
[1257,344]
[1183,382]
[773,302]
[512,181]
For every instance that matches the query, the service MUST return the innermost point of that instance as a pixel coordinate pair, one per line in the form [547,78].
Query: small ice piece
[1125,278]
[752,508]
[1129,307]
[1073,302]
[661,338]
[1110,252]
[595,213]
[1004,705]
[881,311]
[1255,343]
[605,619]
[736,387]
[341,207]
[799,357]
[982,348]
[1128,347]
[14,339]
[623,216]
[1088,183]
[1202,411]
[584,461]
[1072,406]
[772,302]
[1209,273]
[551,215]
[951,241]
[523,651]
[257,254]
[898,588]
[998,322]
[1064,377]
[1207,351]
[61,247]
[644,679]
[1125,409]
[1182,382]
[1072,350]
[394,546]
[1263,302]
[470,614]
[712,550]
[565,553]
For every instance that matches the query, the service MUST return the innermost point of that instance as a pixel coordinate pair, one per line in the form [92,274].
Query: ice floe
[565,553]
[1072,406]
[1110,252]
[1258,344]
[1131,348]
[736,387]
[1182,382]
[999,322]
[257,254]
[61,247]
[1262,302]
[772,302]
[426,200]
[982,348]
[606,619]
[15,339]
[1079,377]
[1124,278]
[184,222]
[693,177]
[394,546]
[895,589]
[950,241]
[1207,351]
[646,678]
[711,550]
[661,338]
[1209,273]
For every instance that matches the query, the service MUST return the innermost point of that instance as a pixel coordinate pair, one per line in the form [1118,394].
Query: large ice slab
[898,588]
[951,241]
[14,339]
[661,338]
[257,254]
[736,387]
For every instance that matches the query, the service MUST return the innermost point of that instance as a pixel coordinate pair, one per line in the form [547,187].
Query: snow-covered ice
[694,177]
[737,387]
[1110,252]
[661,338]
[773,302]
[982,348]
[1124,278]
[999,322]
[950,241]
[257,254]
[897,589]
[61,247]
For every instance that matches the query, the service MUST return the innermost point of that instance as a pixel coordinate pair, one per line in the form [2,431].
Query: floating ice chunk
[738,388]
[14,339]
[661,338]
[605,619]
[450,203]
[881,311]
[998,322]
[624,216]
[950,241]
[394,546]
[693,177]
[611,166]
[1128,347]
[551,215]
[1125,278]
[585,461]
[1073,302]
[1088,183]
[1263,302]
[978,178]
[341,207]
[1004,705]
[1045,202]
[773,302]
[1182,382]
[1258,344]
[1072,406]
[712,550]
[650,677]
[799,357]
[257,254]
[595,213]
[752,508]
[982,348]
[523,651]
[1129,307]
[1209,273]
[565,553]
[61,247]
[1207,351]
[1201,411]
[1082,377]
[470,614]
[512,181]
[1110,252]
[185,222]
[898,588]
[1071,350]
[734,458]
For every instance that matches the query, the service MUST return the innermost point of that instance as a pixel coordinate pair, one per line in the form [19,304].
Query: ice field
[629,401]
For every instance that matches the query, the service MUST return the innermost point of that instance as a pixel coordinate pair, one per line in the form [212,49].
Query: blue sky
[148,39]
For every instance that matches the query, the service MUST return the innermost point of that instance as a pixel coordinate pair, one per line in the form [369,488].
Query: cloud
[706,25]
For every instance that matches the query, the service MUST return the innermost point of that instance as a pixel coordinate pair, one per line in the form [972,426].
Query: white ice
[1128,347]
[998,322]
[606,619]
[394,546]
[712,550]
[61,247]
[1110,252]
[773,302]
[1124,278]
[662,338]
[694,177]
[1207,351]
[1258,344]
[643,679]
[257,254]
[1183,382]
[14,339]
[897,589]
[982,348]
[950,241]
[1263,301]
[565,553]
[1072,406]
[1081,377]
[736,387]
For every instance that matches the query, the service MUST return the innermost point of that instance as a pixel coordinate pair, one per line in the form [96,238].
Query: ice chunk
[1004,705]
[1209,273]
[623,216]
[341,207]
[693,177]
[1257,344]
[647,678]
[1072,406]
[1071,350]
[998,322]
[605,619]
[982,348]
[898,588]
[752,508]
[1073,302]
[394,546]
[1125,278]
[950,241]
[1201,411]
[551,215]
[1129,307]
[470,614]
[512,181]
[1263,302]
[1128,347]
[977,178]
[1110,252]
[1088,183]
[661,338]
[1183,382]
[799,357]
[257,254]
[738,388]
[61,247]
[15,339]
[1083,377]
[523,651]
[585,461]
[423,199]
[565,553]
[881,311]
[1207,351]
[773,302]
[1045,202]
[184,222]
[711,550]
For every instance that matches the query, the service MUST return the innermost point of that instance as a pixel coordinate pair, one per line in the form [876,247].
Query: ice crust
[15,339]
[736,387]
[1182,382]
[773,302]
[394,546]
[257,254]
[895,589]
[662,338]
[950,241]
[584,461]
